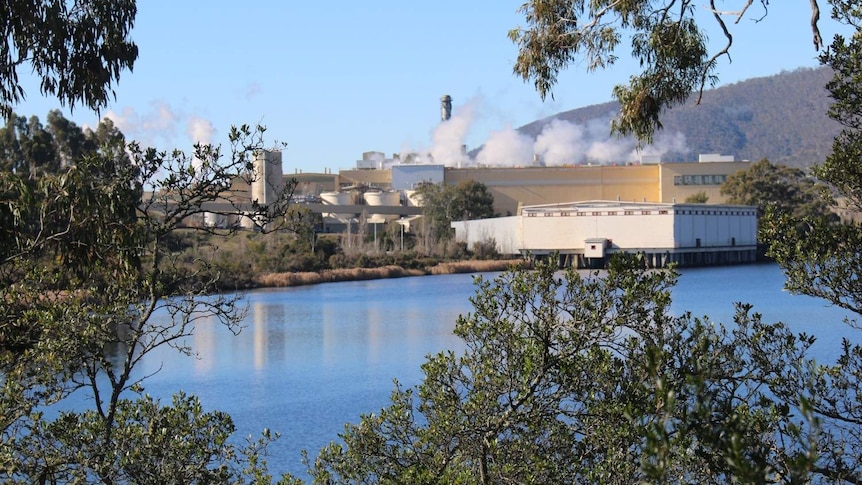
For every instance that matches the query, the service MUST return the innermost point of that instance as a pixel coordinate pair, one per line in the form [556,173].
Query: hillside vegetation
[781,118]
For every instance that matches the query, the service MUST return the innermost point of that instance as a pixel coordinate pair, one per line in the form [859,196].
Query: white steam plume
[506,147]
[565,143]
[560,143]
[448,137]
[200,130]
[158,127]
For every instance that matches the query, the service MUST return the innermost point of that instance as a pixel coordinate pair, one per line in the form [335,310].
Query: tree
[85,267]
[10,148]
[443,204]
[665,39]
[819,257]
[77,49]
[36,146]
[825,261]
[788,190]
[71,143]
[591,379]
[26,146]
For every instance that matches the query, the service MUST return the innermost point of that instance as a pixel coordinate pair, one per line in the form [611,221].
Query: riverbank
[300,278]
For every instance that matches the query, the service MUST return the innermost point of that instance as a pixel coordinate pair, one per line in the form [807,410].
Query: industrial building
[632,207]
[341,196]
[584,234]
[513,187]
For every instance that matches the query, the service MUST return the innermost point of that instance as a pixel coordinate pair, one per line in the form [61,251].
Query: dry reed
[355,274]
[476,266]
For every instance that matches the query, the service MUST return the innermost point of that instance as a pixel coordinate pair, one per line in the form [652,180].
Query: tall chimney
[445,107]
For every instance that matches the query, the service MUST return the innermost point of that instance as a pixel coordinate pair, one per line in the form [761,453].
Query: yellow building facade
[661,182]
[514,187]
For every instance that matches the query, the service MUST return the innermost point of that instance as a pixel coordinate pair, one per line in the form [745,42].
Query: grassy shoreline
[300,278]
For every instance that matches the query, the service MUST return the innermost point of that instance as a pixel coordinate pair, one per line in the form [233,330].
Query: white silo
[268,178]
[267,184]
[337,198]
[214,219]
[381,198]
[413,198]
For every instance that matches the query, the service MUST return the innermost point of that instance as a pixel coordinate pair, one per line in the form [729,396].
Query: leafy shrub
[486,249]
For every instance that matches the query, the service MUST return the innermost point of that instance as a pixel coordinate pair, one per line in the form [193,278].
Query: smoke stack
[445,107]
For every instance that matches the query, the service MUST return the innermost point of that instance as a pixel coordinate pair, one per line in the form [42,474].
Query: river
[313,358]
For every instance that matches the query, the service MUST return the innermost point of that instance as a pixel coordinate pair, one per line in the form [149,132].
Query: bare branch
[815,30]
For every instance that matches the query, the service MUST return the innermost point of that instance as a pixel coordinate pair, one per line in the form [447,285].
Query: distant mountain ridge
[781,118]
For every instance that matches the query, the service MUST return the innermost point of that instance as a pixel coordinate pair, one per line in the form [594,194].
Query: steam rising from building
[564,143]
[559,143]
[506,148]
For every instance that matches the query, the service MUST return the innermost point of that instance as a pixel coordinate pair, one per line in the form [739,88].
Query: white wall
[636,230]
[629,228]
[715,226]
[504,230]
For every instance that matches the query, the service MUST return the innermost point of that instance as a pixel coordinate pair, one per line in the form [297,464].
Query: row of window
[647,213]
[699,179]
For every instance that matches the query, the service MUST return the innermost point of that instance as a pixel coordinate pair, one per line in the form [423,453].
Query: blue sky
[335,79]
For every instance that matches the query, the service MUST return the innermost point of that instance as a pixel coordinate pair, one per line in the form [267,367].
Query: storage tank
[380,198]
[213,219]
[268,182]
[337,198]
[413,198]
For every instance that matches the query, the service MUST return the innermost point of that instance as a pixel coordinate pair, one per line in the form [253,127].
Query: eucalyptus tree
[77,49]
[819,257]
[28,146]
[88,288]
[667,37]
[825,261]
[70,141]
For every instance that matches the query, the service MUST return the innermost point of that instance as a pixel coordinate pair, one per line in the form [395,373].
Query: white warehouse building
[586,233]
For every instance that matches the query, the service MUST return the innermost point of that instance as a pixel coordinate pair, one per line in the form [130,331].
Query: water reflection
[312,358]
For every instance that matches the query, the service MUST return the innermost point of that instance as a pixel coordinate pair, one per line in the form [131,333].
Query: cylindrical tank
[268,182]
[212,219]
[413,198]
[380,198]
[337,198]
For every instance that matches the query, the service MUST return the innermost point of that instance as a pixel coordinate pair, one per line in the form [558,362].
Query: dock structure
[585,234]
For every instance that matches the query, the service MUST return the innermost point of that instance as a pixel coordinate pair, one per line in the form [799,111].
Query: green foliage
[665,39]
[150,443]
[826,263]
[591,379]
[77,49]
[442,204]
[28,147]
[786,189]
[87,261]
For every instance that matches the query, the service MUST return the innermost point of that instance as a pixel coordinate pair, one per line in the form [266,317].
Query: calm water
[313,358]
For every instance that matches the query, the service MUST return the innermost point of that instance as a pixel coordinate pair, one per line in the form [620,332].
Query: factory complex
[514,187]
[583,213]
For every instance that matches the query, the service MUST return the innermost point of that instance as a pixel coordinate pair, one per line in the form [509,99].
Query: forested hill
[781,118]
